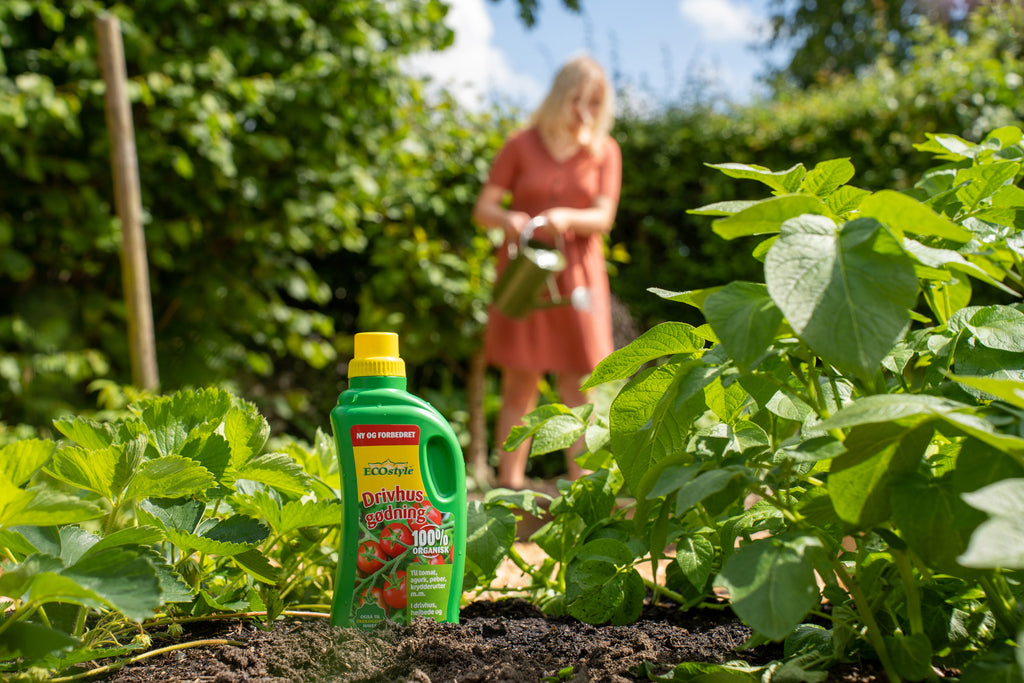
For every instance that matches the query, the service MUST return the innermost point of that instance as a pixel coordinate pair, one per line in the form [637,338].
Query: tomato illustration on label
[370,557]
[431,516]
[394,590]
[395,539]
[371,595]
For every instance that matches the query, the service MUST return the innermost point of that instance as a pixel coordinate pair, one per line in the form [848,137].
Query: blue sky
[656,47]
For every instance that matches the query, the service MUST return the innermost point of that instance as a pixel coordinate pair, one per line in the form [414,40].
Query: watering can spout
[531,269]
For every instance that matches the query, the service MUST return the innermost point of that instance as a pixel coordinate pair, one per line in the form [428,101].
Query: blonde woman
[565,167]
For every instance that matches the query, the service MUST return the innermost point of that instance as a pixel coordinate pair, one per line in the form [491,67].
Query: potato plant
[840,447]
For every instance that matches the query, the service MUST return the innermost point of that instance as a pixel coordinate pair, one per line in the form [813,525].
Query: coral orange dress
[565,338]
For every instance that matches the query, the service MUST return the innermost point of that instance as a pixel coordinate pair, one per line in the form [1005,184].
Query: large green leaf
[705,485]
[46,506]
[171,419]
[771,583]
[933,520]
[859,480]
[998,327]
[727,398]
[85,432]
[232,536]
[601,584]
[13,500]
[911,655]
[951,260]
[827,176]
[652,415]
[592,497]
[92,470]
[846,200]
[33,642]
[916,408]
[999,541]
[123,579]
[694,297]
[695,555]
[258,565]
[212,451]
[120,579]
[169,477]
[277,470]
[745,320]
[781,182]
[246,432]
[665,339]
[294,514]
[767,216]
[979,182]
[180,515]
[491,531]
[725,208]
[550,427]
[905,215]
[20,460]
[845,292]
[1009,390]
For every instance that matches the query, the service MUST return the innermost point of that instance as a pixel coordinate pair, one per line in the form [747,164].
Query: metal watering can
[532,266]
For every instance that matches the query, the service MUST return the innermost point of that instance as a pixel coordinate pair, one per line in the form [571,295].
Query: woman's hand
[560,220]
[514,223]
[595,219]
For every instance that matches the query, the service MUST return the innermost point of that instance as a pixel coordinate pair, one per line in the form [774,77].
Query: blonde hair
[581,76]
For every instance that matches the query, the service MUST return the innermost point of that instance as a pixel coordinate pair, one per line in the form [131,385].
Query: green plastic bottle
[403,492]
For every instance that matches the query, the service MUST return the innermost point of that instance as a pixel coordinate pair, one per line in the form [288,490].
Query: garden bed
[505,640]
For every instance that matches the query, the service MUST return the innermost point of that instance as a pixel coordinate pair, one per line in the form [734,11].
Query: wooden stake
[128,203]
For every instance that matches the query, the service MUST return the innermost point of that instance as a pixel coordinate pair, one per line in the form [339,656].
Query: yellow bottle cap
[376,355]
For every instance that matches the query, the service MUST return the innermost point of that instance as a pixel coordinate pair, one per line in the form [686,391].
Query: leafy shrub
[175,511]
[853,416]
[295,184]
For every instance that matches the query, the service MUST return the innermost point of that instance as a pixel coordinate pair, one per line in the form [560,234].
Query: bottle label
[405,544]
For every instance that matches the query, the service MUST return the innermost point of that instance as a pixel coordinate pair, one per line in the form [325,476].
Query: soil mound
[504,641]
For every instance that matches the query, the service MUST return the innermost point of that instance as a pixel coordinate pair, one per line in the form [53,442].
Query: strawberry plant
[174,512]
[839,448]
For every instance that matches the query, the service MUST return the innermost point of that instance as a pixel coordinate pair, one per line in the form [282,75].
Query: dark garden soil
[505,641]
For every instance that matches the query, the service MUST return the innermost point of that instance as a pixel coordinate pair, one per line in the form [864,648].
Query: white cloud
[472,69]
[722,20]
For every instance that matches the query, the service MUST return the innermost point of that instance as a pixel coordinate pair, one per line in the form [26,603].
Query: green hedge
[295,182]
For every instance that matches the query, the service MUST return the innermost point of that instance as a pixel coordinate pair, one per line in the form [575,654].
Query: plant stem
[667,592]
[528,569]
[79,629]
[1002,603]
[820,405]
[909,589]
[292,573]
[146,655]
[874,633]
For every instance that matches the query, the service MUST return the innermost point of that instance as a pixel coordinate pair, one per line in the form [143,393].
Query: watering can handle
[527,233]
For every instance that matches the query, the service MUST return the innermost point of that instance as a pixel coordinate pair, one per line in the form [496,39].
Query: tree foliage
[837,38]
[528,9]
